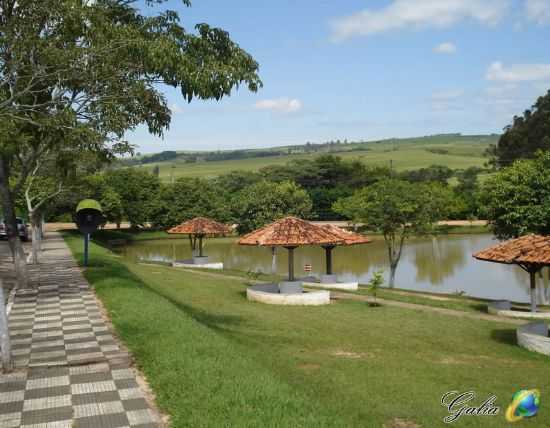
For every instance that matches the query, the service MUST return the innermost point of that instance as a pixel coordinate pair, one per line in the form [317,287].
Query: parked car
[22,228]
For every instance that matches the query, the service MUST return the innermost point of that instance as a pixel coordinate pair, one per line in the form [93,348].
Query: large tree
[265,201]
[526,135]
[138,191]
[516,200]
[326,178]
[98,67]
[398,209]
[187,198]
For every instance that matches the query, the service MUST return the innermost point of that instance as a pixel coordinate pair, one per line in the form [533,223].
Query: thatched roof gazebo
[290,233]
[530,252]
[348,239]
[199,228]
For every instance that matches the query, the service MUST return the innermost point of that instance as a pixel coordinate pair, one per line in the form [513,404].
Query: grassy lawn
[407,154]
[215,359]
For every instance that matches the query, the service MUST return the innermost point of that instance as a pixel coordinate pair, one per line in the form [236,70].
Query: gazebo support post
[328,258]
[533,278]
[290,263]
[200,246]
[273,260]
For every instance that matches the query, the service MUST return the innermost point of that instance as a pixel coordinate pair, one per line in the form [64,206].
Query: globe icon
[526,403]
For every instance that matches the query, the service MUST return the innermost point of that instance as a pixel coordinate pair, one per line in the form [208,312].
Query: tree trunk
[40,232]
[10,222]
[35,236]
[393,269]
[395,249]
[5,345]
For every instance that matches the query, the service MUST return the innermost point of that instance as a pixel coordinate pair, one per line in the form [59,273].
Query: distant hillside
[453,150]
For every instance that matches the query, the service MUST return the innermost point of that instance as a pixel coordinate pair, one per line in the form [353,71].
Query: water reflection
[443,264]
[447,254]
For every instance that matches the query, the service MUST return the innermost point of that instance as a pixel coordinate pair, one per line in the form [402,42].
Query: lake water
[442,264]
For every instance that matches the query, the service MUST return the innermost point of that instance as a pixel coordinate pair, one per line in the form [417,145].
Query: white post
[273,260]
[533,278]
[5,346]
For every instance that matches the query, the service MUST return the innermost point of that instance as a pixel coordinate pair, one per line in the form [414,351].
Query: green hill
[453,150]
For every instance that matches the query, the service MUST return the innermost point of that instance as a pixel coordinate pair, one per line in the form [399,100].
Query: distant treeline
[308,188]
[332,146]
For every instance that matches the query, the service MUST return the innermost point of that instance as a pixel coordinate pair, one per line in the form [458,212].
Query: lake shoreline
[112,234]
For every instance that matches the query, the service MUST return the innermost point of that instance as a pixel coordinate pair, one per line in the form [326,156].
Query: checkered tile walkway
[95,395]
[71,370]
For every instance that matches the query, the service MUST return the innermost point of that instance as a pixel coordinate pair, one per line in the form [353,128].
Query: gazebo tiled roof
[201,226]
[350,238]
[290,232]
[526,250]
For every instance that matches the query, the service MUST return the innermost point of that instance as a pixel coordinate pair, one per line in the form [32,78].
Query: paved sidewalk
[70,370]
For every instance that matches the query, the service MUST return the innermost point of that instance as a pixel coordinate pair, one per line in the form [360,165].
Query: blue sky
[374,69]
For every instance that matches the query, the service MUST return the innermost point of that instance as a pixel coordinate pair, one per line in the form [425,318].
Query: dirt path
[443,311]
[337,295]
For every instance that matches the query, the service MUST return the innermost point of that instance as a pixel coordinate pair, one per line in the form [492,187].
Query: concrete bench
[269,294]
[534,337]
[504,308]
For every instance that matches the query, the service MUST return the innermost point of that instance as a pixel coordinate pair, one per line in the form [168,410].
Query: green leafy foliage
[112,204]
[326,178]
[516,200]
[138,192]
[528,133]
[75,76]
[375,283]
[398,209]
[188,198]
[391,206]
[265,201]
[235,181]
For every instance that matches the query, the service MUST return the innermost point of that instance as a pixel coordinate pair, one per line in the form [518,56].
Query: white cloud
[418,14]
[538,11]
[280,105]
[445,48]
[518,72]
[176,109]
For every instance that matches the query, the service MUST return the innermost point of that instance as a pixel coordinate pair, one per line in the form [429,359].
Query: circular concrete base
[269,293]
[350,286]
[190,264]
[291,287]
[534,337]
[504,308]
[328,279]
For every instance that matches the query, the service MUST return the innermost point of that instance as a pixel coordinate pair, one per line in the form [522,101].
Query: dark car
[22,228]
